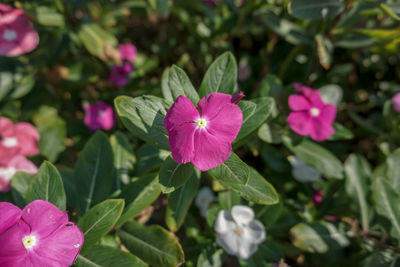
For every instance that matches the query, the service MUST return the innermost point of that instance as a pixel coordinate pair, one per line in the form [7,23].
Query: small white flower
[303,172]
[237,231]
[203,199]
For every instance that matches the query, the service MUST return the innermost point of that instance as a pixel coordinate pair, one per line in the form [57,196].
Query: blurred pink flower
[17,36]
[99,116]
[210,3]
[7,171]
[310,115]
[396,102]
[120,74]
[317,196]
[203,138]
[127,52]
[331,218]
[19,139]
[39,235]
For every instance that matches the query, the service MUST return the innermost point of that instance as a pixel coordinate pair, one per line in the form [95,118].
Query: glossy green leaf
[221,76]
[105,256]
[95,39]
[341,132]
[47,185]
[270,133]
[153,244]
[228,199]
[99,220]
[233,171]
[94,172]
[315,9]
[173,175]
[393,169]
[67,176]
[180,200]
[149,158]
[392,10]
[144,118]
[20,185]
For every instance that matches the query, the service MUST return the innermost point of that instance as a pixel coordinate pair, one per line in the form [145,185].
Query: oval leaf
[173,175]
[232,172]
[315,9]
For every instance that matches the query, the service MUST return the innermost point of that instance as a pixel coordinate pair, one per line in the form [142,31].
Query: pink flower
[210,3]
[317,196]
[120,74]
[17,36]
[7,171]
[39,235]
[19,139]
[203,138]
[311,116]
[99,116]
[127,52]
[396,102]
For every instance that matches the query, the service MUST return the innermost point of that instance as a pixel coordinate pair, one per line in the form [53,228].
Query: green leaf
[94,172]
[139,195]
[392,10]
[331,93]
[48,17]
[180,200]
[317,237]
[99,220]
[341,132]
[47,185]
[387,204]
[358,172]
[221,76]
[318,157]
[211,256]
[393,169]
[149,159]
[153,244]
[105,256]
[175,82]
[124,158]
[95,39]
[173,175]
[255,112]
[144,118]
[228,199]
[20,185]
[67,176]
[232,172]
[270,133]
[315,9]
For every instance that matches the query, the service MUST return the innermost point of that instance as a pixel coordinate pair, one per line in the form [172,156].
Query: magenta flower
[396,102]
[120,74]
[19,139]
[39,235]
[210,3]
[17,36]
[99,116]
[318,196]
[15,164]
[203,138]
[127,52]
[310,115]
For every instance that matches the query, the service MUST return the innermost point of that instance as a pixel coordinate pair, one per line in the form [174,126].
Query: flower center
[10,142]
[314,112]
[9,35]
[29,241]
[201,123]
[238,231]
[7,173]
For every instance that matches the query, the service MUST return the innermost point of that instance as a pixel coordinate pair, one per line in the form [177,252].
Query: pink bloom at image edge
[99,116]
[17,36]
[127,52]
[396,102]
[317,196]
[17,139]
[310,115]
[120,74]
[204,138]
[38,235]
[15,164]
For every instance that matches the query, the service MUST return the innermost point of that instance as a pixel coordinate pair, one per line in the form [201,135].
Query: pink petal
[43,217]
[10,214]
[6,127]
[320,130]
[127,52]
[180,112]
[28,138]
[226,124]
[210,151]
[299,122]
[106,116]
[13,252]
[328,113]
[312,95]
[20,163]
[298,103]
[181,141]
[210,105]
[29,40]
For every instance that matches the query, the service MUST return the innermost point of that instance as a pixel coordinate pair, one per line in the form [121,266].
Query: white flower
[303,172]
[204,199]
[237,231]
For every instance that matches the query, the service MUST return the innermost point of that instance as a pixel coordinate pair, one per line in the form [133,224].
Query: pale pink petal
[106,116]
[43,217]
[328,113]
[13,252]
[6,127]
[211,104]
[242,214]
[396,102]
[28,138]
[181,111]
[9,215]
[224,222]
[226,124]
[312,95]
[181,141]
[299,122]
[29,39]
[20,163]
[320,130]
[210,151]
[298,103]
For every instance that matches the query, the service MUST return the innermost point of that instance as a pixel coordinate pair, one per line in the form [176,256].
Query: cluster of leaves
[124,189]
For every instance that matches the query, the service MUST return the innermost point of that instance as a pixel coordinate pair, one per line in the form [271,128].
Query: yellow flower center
[29,241]
[314,112]
[9,35]
[201,123]
[238,231]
